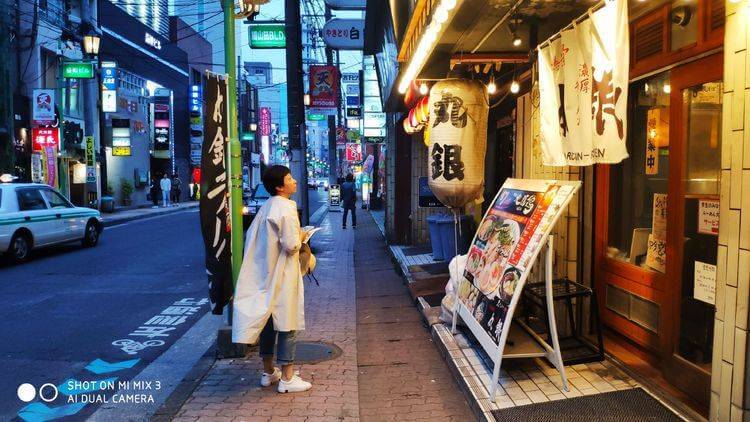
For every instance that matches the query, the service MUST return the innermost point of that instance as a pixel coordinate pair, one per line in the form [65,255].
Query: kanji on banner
[583,89]
[214,194]
[353,152]
[324,86]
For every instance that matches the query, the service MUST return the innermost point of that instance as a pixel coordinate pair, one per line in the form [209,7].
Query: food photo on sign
[509,237]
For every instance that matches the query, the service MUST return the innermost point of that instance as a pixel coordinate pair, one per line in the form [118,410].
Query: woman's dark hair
[274,178]
[349,177]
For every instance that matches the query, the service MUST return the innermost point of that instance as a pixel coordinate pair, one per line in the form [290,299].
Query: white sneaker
[294,385]
[268,379]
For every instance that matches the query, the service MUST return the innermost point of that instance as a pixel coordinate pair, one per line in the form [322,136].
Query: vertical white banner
[583,81]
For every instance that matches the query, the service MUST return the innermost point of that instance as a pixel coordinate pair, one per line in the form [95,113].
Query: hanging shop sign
[109,87]
[352,135]
[347,4]
[583,90]
[458,137]
[344,34]
[352,101]
[121,137]
[42,137]
[43,106]
[351,89]
[37,170]
[353,112]
[375,120]
[267,35]
[503,252]
[196,124]
[49,165]
[264,124]
[214,195]
[374,132]
[77,70]
[162,124]
[315,117]
[353,152]
[350,78]
[324,86]
[90,165]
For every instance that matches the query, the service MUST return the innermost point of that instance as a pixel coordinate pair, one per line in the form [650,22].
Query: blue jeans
[287,345]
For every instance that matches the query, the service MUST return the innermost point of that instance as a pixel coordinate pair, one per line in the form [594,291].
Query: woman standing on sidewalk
[269,297]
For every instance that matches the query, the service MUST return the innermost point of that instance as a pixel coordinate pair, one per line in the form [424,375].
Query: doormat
[617,406]
[416,250]
[316,351]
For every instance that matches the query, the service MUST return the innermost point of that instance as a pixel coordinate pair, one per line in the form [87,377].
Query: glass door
[694,197]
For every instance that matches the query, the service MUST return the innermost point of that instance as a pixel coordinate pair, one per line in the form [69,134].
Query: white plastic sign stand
[334,198]
[526,343]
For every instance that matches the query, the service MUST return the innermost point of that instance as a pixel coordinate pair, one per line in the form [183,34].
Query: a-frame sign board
[505,248]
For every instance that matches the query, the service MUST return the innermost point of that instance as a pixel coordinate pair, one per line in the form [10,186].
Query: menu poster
[704,282]
[512,233]
[656,254]
[659,220]
[708,216]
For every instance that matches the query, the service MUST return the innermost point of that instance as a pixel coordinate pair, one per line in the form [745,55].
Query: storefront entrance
[657,225]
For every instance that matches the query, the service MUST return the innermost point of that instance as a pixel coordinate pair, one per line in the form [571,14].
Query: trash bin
[108,204]
[435,237]
[446,228]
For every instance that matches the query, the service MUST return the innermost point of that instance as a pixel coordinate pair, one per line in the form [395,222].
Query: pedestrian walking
[269,298]
[349,199]
[153,191]
[166,189]
[176,189]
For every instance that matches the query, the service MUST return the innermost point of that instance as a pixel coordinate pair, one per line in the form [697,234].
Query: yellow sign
[120,151]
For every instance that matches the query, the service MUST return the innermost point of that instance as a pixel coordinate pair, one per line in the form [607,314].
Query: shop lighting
[517,41]
[441,18]
[253,127]
[515,87]
[491,87]
[423,90]
[667,88]
[307,99]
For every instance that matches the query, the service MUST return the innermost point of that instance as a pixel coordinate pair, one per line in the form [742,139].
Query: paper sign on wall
[659,220]
[708,216]
[656,255]
[704,282]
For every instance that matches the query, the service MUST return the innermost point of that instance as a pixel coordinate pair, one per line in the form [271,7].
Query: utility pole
[234,157]
[332,153]
[295,103]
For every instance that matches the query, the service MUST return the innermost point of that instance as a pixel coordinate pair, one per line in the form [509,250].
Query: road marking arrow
[99,366]
[40,412]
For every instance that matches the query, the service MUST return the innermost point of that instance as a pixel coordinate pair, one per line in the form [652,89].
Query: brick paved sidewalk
[387,352]
[401,373]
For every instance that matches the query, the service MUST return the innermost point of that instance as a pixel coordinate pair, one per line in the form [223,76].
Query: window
[55,200]
[30,200]
[638,185]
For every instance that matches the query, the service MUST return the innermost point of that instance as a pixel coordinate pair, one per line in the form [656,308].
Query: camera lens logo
[47,392]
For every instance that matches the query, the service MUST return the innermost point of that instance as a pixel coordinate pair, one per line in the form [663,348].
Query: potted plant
[126,189]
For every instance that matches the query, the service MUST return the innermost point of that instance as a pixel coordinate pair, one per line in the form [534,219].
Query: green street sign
[267,35]
[315,117]
[78,70]
[248,136]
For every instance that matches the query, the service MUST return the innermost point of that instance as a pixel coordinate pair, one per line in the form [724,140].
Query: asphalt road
[64,309]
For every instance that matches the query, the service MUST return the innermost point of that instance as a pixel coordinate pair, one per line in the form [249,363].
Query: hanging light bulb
[423,90]
[517,41]
[515,87]
[667,88]
[491,87]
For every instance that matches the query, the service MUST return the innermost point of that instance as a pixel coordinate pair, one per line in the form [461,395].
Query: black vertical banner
[214,194]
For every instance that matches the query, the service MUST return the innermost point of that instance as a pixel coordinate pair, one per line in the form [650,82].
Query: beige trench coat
[270,280]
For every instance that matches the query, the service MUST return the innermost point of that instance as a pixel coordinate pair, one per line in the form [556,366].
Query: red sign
[265,121]
[353,152]
[44,137]
[324,86]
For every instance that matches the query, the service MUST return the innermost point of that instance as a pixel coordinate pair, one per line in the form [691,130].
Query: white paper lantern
[458,141]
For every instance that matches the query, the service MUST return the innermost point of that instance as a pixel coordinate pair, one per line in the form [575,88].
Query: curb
[318,215]
[115,222]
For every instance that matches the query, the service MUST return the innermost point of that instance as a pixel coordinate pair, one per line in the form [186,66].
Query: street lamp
[91,42]
[306,99]
[253,127]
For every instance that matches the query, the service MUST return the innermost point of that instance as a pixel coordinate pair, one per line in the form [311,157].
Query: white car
[34,215]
